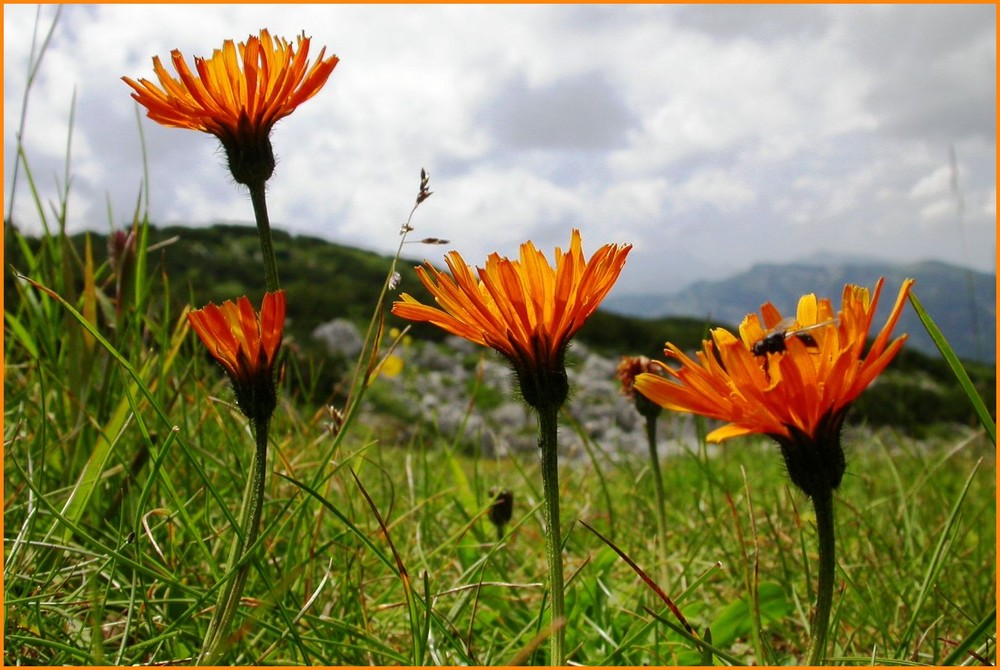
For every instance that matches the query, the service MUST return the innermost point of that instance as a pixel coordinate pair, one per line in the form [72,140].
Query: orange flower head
[246,344]
[793,381]
[238,94]
[526,309]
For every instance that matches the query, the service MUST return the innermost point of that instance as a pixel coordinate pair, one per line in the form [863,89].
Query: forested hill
[327,281]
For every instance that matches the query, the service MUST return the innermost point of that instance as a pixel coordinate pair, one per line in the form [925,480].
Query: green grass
[129,576]
[125,460]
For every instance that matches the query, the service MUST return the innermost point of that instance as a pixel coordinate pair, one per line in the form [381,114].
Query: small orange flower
[774,393]
[526,309]
[238,95]
[245,344]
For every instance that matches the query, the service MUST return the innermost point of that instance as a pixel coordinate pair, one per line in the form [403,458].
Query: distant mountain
[962,302]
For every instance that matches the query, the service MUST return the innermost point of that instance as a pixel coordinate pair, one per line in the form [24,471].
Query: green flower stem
[547,442]
[229,596]
[661,500]
[823,505]
[264,233]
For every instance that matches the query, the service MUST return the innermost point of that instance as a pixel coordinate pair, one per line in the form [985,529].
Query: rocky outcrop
[466,393]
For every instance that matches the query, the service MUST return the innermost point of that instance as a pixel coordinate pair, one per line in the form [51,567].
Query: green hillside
[325,281]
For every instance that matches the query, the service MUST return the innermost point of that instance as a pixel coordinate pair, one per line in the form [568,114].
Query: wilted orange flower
[246,344]
[631,367]
[238,94]
[526,309]
[628,369]
[785,392]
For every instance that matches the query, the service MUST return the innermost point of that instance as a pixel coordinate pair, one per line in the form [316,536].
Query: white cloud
[632,200]
[935,184]
[938,210]
[716,188]
[744,133]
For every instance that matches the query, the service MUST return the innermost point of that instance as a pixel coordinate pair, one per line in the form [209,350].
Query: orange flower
[525,309]
[816,375]
[798,390]
[238,95]
[246,344]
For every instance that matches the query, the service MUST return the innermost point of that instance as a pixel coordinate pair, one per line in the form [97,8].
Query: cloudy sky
[711,137]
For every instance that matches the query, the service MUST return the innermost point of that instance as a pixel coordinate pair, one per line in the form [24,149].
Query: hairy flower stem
[229,597]
[823,505]
[661,501]
[264,233]
[547,442]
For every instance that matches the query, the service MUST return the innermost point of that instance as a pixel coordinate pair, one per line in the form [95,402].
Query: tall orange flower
[526,309]
[238,94]
[802,390]
[246,344]
[793,381]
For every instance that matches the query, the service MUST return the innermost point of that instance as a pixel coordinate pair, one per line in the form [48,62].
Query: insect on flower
[773,341]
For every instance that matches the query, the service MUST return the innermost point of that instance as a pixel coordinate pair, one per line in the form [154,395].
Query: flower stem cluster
[237,95]
[791,379]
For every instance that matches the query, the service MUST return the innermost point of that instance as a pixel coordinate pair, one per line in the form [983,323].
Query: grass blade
[645,578]
[404,576]
[936,563]
[956,366]
[704,645]
[984,626]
